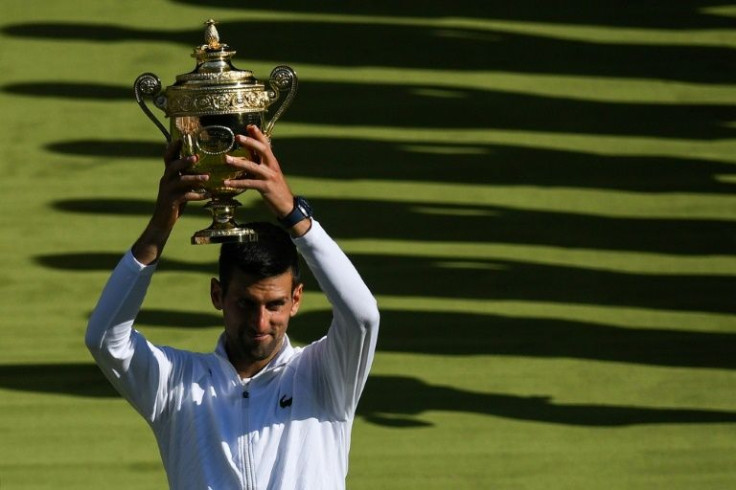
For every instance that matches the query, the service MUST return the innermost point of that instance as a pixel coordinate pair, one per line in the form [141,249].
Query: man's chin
[262,352]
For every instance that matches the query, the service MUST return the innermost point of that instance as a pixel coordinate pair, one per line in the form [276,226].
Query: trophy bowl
[206,109]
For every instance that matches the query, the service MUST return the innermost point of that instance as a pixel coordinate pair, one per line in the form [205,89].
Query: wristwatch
[302,210]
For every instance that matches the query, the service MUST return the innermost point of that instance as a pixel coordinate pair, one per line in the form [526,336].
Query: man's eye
[275,306]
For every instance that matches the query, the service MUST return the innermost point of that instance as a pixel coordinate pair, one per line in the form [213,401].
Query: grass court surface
[541,195]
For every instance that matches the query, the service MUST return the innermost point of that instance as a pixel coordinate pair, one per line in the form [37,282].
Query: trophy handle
[149,85]
[283,79]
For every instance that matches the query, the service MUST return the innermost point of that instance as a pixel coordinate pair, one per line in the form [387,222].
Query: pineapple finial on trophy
[211,36]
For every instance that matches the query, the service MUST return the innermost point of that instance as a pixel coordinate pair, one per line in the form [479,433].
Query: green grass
[541,197]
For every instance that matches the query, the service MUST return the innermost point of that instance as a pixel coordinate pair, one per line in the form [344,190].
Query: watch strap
[301,211]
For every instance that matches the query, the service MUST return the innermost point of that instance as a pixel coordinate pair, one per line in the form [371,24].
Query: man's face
[256,313]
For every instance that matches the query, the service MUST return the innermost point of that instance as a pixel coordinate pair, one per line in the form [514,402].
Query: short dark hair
[272,254]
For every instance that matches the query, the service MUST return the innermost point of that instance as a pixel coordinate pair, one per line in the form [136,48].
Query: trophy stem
[224,228]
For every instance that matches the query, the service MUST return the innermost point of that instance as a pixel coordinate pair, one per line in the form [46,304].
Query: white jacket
[288,427]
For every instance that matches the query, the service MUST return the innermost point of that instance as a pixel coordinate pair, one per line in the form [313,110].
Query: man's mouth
[260,337]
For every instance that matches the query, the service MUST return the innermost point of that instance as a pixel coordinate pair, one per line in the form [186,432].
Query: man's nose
[260,319]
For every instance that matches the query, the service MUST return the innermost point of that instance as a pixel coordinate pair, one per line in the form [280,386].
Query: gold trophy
[207,108]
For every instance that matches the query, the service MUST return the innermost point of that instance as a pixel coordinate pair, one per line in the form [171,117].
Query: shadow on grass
[647,13]
[71,90]
[425,47]
[393,400]
[397,401]
[463,334]
[422,221]
[428,106]
[99,261]
[500,165]
[467,334]
[180,319]
[502,280]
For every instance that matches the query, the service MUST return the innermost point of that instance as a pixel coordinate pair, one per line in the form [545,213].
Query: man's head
[258,291]
[271,255]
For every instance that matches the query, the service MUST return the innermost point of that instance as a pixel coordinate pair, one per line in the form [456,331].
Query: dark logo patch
[285,402]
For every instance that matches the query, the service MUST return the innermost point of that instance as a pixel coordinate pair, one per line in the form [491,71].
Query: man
[257,412]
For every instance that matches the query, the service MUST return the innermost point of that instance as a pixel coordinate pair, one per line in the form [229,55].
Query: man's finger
[172,151]
[258,185]
[256,133]
[260,148]
[175,167]
[196,196]
[245,164]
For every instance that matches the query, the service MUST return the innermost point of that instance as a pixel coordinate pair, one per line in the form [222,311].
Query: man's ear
[216,293]
[296,299]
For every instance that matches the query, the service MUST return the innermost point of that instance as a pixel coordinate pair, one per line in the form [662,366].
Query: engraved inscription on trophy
[215,140]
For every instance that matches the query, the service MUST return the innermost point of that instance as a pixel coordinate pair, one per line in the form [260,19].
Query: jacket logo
[285,402]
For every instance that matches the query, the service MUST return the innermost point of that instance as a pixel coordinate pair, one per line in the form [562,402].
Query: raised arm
[174,191]
[266,177]
[344,357]
[135,367]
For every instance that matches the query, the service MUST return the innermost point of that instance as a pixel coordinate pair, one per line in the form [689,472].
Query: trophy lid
[214,65]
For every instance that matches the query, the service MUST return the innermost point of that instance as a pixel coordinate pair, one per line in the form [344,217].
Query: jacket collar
[281,358]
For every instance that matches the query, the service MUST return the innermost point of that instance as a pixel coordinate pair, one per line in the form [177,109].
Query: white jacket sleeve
[135,367]
[346,354]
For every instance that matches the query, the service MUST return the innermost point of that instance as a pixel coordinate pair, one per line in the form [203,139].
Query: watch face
[304,207]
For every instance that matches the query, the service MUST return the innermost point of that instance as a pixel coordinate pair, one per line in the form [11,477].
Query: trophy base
[223,229]
[234,235]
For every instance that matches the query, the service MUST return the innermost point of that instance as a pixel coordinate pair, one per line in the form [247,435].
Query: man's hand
[266,177]
[175,189]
